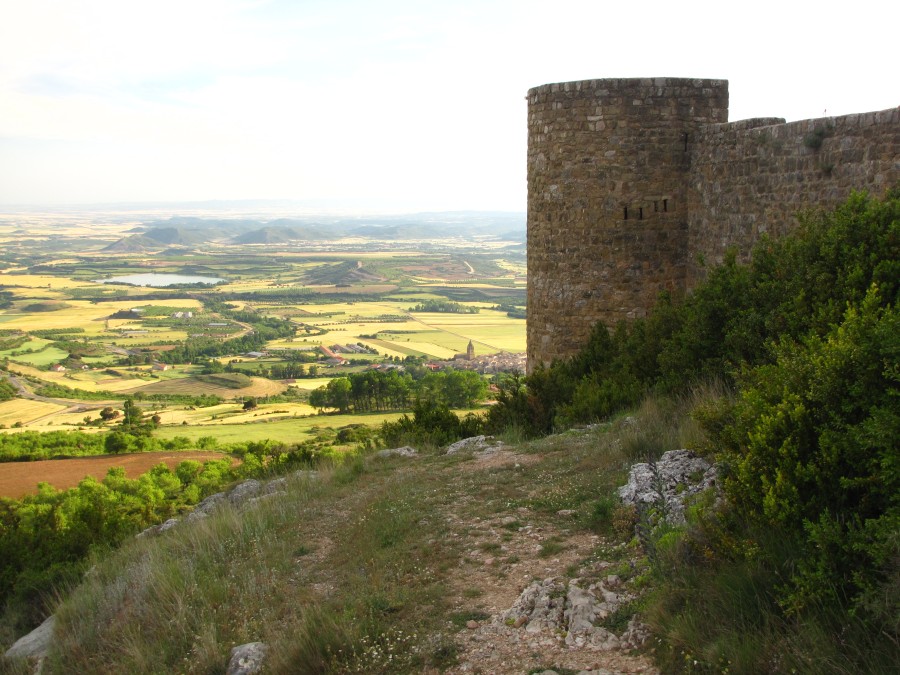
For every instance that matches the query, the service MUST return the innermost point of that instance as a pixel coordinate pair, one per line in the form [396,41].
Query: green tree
[118,443]
[108,413]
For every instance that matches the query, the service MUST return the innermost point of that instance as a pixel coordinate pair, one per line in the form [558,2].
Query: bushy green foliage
[813,450]
[29,446]
[7,390]
[45,538]
[444,306]
[805,554]
[799,570]
[794,286]
[432,424]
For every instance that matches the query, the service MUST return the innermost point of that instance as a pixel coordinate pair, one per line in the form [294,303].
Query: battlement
[634,183]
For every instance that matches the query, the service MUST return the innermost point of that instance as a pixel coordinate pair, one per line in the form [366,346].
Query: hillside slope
[382,565]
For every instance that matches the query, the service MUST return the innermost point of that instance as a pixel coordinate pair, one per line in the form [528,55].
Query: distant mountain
[136,243]
[212,228]
[513,235]
[176,236]
[348,272]
[280,234]
[405,231]
[190,231]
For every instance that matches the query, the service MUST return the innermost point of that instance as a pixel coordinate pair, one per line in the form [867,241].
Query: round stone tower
[608,167]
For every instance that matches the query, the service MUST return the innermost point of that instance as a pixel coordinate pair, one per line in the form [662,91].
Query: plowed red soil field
[18,479]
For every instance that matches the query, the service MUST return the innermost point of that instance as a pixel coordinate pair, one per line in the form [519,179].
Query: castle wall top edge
[887,116]
[619,82]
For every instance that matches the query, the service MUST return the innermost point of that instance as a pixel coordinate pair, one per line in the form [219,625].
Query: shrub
[814,452]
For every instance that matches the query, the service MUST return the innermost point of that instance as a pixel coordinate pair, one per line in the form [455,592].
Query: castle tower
[470,351]
[608,164]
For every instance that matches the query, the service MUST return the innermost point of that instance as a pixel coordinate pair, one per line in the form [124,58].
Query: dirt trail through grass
[505,551]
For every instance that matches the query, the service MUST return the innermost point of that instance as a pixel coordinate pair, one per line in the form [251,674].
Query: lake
[160,280]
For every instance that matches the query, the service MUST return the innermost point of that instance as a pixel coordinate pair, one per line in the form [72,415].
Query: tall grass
[334,575]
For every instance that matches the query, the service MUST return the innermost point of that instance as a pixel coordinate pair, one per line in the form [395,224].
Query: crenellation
[633,182]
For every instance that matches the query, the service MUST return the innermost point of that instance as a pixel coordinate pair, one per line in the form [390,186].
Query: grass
[355,571]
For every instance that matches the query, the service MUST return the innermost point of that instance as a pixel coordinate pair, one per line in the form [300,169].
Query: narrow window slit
[626,213]
[665,205]
[641,213]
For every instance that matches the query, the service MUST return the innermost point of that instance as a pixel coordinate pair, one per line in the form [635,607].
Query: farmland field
[18,479]
[194,387]
[303,296]
[294,430]
[25,411]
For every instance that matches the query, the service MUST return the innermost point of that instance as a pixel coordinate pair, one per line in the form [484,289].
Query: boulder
[472,443]
[34,645]
[241,492]
[247,659]
[405,451]
[668,482]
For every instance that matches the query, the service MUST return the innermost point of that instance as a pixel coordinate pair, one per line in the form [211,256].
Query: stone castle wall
[632,182]
[750,178]
[608,165]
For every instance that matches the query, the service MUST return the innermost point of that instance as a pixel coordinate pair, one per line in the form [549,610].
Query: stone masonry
[635,185]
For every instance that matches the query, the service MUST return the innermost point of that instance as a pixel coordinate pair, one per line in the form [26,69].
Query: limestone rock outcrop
[667,483]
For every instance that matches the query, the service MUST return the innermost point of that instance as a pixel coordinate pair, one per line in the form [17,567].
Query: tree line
[381,391]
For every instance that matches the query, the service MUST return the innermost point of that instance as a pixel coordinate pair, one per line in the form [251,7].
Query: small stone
[566,512]
[521,621]
[613,580]
[489,562]
[247,659]
[471,624]
[405,451]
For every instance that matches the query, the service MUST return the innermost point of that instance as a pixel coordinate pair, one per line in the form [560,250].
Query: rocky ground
[540,590]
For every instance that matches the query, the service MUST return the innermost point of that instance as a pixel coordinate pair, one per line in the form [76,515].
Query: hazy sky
[414,104]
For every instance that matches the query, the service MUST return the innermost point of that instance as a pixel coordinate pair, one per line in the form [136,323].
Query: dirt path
[507,553]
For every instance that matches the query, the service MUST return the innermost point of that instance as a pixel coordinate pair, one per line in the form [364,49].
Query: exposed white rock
[471,443]
[244,491]
[667,483]
[405,451]
[247,659]
[34,645]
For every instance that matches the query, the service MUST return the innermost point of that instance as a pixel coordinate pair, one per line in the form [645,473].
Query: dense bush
[392,390]
[432,424]
[794,287]
[813,450]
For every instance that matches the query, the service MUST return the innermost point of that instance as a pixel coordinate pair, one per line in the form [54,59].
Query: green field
[294,430]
